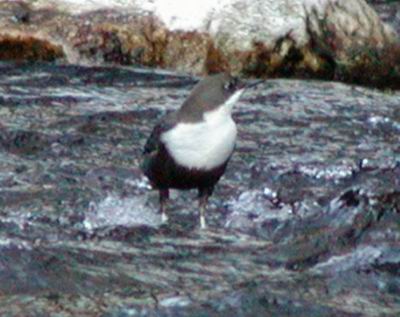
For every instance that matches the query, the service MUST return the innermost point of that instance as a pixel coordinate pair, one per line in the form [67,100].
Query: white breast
[207,144]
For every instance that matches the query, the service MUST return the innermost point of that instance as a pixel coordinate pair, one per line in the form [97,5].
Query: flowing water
[305,222]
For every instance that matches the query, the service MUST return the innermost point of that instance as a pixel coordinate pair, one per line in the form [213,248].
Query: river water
[305,222]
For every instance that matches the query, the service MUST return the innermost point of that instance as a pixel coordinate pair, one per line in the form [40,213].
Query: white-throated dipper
[190,148]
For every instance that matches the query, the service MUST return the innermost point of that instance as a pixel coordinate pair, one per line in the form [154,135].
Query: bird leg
[164,196]
[204,194]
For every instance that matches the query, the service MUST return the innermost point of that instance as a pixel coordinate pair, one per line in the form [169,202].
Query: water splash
[254,206]
[118,211]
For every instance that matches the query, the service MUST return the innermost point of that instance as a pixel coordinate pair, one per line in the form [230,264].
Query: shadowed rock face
[305,221]
[28,48]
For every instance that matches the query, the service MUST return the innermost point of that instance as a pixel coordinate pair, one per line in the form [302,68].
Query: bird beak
[253,83]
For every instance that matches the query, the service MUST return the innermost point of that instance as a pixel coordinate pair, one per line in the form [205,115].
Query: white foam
[254,206]
[178,301]
[117,211]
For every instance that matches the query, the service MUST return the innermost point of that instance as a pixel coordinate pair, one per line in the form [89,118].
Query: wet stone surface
[306,221]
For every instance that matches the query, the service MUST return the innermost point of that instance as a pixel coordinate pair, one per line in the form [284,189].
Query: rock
[305,221]
[389,12]
[322,39]
[25,47]
[16,11]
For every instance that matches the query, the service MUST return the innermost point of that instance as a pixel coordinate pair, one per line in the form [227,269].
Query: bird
[190,148]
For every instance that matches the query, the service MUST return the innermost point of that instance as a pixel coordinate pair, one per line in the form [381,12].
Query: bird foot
[164,217]
[202,222]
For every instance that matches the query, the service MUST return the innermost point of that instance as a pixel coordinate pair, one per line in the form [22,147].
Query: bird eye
[230,85]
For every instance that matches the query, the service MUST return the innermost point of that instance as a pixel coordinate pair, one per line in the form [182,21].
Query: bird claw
[202,222]
[164,217]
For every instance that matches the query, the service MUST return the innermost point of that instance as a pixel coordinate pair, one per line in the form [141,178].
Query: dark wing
[153,142]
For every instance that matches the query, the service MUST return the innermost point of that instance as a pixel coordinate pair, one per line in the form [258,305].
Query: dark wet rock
[305,221]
